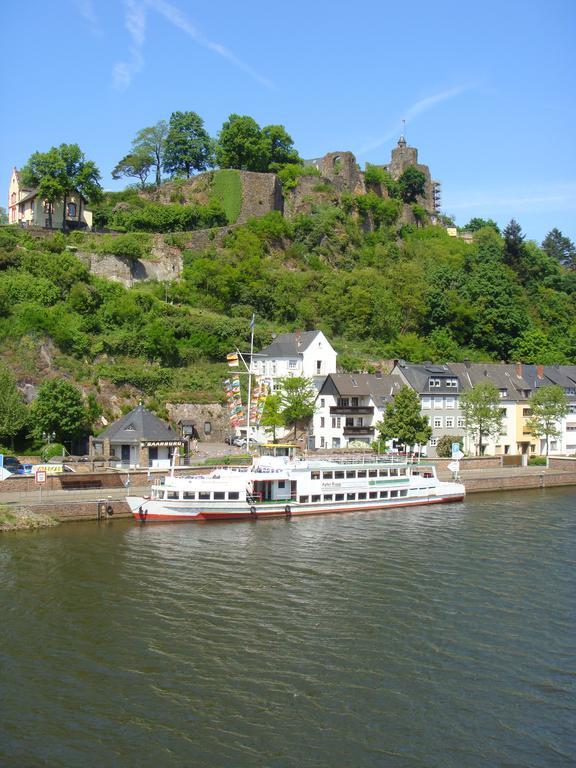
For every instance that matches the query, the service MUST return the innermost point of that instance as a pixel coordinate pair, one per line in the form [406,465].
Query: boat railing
[382,458]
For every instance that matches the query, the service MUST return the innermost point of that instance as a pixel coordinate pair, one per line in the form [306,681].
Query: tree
[412,183]
[404,421]
[548,405]
[3,216]
[279,145]
[151,141]
[482,412]
[272,417]
[513,244]
[476,223]
[188,146]
[59,409]
[13,411]
[61,172]
[240,145]
[297,401]
[137,165]
[560,247]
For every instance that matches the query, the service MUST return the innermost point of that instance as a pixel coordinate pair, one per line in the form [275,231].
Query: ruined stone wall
[261,193]
[213,413]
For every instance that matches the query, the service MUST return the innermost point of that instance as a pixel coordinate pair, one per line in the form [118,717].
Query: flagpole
[252,323]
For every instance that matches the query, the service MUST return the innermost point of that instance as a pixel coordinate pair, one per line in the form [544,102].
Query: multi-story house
[438,387]
[563,376]
[26,207]
[304,353]
[348,407]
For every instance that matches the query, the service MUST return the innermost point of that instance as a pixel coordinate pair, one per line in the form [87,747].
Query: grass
[23,520]
[227,188]
[217,461]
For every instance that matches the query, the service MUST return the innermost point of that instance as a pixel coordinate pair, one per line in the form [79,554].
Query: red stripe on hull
[203,517]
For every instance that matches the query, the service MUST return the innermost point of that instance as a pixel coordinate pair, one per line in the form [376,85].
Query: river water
[436,636]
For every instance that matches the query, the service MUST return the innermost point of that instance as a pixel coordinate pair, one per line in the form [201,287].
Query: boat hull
[147,510]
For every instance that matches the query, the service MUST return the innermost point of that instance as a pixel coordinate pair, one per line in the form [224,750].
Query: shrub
[444,446]
[132,246]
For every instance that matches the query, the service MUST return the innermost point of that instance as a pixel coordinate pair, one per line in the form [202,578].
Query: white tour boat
[280,486]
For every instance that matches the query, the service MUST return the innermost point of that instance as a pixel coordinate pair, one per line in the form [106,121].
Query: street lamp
[48,437]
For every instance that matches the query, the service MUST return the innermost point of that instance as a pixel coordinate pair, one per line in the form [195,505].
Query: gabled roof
[139,425]
[418,374]
[379,388]
[289,344]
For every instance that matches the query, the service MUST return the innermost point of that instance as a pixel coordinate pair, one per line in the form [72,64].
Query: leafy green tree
[188,146]
[60,173]
[548,405]
[534,346]
[297,401]
[412,183]
[444,445]
[561,248]
[513,244]
[151,142]
[404,421]
[476,223]
[13,411]
[272,418]
[244,145]
[3,215]
[137,165]
[279,146]
[59,409]
[482,412]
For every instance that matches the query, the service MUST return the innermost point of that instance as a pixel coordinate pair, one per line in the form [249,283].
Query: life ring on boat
[253,511]
[109,510]
[287,510]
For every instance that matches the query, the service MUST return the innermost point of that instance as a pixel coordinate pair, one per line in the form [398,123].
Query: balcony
[351,410]
[353,431]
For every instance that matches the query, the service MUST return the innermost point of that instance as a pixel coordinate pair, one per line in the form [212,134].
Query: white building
[26,207]
[304,353]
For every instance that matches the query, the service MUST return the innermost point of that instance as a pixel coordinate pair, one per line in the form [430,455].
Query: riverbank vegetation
[20,519]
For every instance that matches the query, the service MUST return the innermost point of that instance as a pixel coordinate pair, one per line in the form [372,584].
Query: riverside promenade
[101,495]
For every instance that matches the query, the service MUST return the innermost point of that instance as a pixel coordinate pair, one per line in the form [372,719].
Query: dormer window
[503,393]
[434,383]
[130,428]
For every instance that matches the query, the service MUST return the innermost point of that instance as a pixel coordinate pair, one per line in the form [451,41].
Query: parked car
[12,464]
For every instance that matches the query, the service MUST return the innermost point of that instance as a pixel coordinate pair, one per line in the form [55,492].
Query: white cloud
[135,21]
[423,105]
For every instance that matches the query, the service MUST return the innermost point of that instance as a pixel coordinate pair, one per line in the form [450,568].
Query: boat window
[189,495]
[428,474]
[339,474]
[393,473]
[219,495]
[203,495]
[393,494]
[303,499]
[351,496]
[328,497]
[362,495]
[351,473]
[361,473]
[172,494]
[384,472]
[372,473]
[281,483]
[233,495]
[404,492]
[373,495]
[327,475]
[315,475]
[403,471]
[316,498]
[339,497]
[383,494]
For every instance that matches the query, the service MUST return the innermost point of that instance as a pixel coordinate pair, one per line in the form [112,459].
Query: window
[291,363]
[315,474]
[172,494]
[318,366]
[354,401]
[361,473]
[403,472]
[339,497]
[449,402]
[433,383]
[336,425]
[372,473]
[383,473]
[351,496]
[451,382]
[437,421]
[570,427]
[322,422]
[322,402]
[384,494]
[438,402]
[503,393]
[204,495]
[316,498]
[433,442]
[449,422]
[393,494]
[351,473]
[207,427]
[322,443]
[72,210]
[327,475]
[373,495]
[426,402]
[339,474]
[281,483]
[48,207]
[343,402]
[461,422]
[526,411]
[393,473]
[328,497]
[404,492]
[233,495]
[361,495]
[303,499]
[189,495]
[219,495]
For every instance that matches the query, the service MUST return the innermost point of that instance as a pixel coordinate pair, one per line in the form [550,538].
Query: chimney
[540,371]
[378,373]
[298,338]
[519,370]
[467,363]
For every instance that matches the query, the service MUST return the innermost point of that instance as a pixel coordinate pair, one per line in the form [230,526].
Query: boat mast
[252,323]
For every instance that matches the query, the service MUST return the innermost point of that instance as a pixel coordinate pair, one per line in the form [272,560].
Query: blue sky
[487,89]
